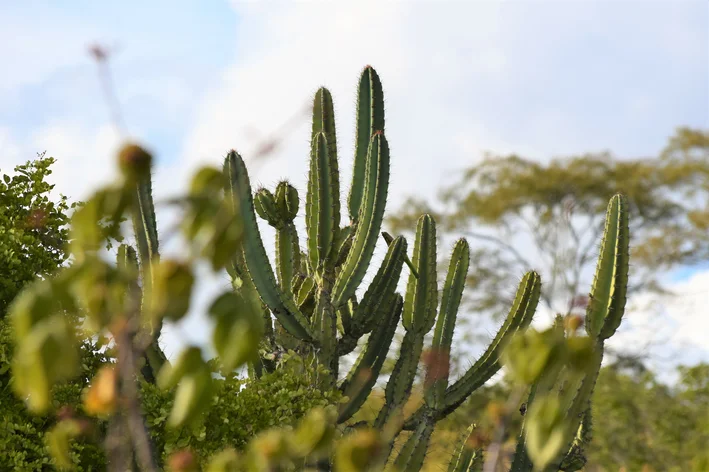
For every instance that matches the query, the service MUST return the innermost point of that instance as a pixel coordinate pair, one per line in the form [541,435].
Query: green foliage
[23,435]
[33,228]
[641,422]
[238,410]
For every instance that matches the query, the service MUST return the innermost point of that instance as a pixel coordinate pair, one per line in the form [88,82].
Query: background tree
[33,227]
[524,214]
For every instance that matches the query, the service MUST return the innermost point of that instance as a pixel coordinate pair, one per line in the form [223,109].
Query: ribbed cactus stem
[127,259]
[325,322]
[381,290]
[519,317]
[422,292]
[402,377]
[287,255]
[146,236]
[370,119]
[413,453]
[388,238]
[366,370]
[438,366]
[610,283]
[259,267]
[370,222]
[322,207]
[606,307]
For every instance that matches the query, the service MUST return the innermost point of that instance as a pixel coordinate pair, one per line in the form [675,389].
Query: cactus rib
[422,291]
[370,221]
[437,375]
[365,372]
[370,119]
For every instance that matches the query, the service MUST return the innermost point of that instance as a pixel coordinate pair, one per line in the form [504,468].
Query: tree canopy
[33,227]
[522,213]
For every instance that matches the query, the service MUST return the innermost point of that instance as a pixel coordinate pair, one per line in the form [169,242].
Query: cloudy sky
[194,79]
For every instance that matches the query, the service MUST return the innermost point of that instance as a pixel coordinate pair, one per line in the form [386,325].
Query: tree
[525,214]
[33,227]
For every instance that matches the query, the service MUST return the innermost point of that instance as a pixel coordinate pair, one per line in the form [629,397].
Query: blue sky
[539,78]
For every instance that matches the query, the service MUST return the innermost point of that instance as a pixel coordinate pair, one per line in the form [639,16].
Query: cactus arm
[402,377]
[610,283]
[287,256]
[145,225]
[437,376]
[388,238]
[146,235]
[324,122]
[364,373]
[305,291]
[322,203]
[413,453]
[127,259]
[257,263]
[325,324]
[422,291]
[327,180]
[519,317]
[370,221]
[381,290]
[467,458]
[606,307]
[370,118]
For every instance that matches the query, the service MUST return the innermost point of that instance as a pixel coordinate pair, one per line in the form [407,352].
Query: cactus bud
[265,205]
[287,201]
[134,161]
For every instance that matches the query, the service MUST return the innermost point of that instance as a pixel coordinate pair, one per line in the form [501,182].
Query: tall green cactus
[322,310]
[563,391]
[137,163]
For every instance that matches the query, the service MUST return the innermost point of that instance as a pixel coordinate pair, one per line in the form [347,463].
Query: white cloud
[85,156]
[672,329]
[10,152]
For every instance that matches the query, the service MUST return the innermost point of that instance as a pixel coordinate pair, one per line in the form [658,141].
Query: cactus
[320,308]
[563,390]
[314,297]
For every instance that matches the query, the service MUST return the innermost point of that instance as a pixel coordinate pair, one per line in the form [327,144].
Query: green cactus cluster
[314,292]
[315,304]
